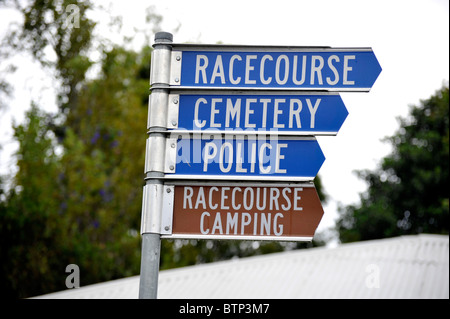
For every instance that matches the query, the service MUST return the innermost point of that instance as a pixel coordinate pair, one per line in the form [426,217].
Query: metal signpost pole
[151,247]
[154,166]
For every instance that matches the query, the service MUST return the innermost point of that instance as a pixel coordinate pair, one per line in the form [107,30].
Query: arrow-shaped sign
[288,212]
[249,113]
[241,157]
[292,68]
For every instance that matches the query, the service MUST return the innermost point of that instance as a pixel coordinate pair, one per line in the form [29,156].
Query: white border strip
[236,237]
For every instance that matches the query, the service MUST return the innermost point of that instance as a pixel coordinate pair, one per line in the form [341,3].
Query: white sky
[410,39]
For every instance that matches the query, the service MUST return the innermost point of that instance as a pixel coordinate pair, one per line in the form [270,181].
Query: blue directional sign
[281,113]
[247,158]
[246,67]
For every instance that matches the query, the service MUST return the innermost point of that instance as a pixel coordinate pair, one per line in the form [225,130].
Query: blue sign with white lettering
[284,68]
[295,114]
[249,158]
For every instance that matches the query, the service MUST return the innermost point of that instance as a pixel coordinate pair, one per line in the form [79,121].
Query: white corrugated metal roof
[403,267]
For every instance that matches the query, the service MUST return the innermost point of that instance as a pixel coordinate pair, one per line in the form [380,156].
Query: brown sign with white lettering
[290,213]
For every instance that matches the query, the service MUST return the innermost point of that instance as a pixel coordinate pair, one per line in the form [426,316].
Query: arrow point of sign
[320,162]
[375,70]
[341,116]
[344,117]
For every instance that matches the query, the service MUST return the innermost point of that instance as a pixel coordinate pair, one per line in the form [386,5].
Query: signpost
[231,152]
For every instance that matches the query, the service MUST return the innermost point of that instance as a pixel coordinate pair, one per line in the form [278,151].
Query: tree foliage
[28,227]
[77,193]
[408,194]
[82,206]
[76,197]
[51,32]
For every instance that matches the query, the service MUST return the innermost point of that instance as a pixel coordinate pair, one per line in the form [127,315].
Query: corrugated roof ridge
[431,253]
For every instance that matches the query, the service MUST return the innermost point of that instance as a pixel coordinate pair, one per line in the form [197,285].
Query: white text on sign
[267,110]
[264,207]
[286,68]
[226,157]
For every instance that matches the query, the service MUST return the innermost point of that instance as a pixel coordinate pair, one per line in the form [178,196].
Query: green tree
[29,227]
[81,206]
[77,196]
[103,166]
[58,34]
[408,194]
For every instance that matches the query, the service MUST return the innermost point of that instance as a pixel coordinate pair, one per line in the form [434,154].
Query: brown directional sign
[289,212]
